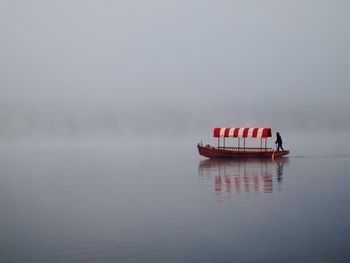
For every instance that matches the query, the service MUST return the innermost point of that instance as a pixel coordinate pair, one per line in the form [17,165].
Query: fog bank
[172,68]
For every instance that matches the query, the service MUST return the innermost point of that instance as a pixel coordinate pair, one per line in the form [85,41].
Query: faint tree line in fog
[164,122]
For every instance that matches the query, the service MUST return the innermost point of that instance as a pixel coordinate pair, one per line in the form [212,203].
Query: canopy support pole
[265,143]
[260,143]
[244,143]
[218,142]
[239,142]
[224,142]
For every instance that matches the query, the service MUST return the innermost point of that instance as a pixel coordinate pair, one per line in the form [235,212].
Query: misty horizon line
[172,123]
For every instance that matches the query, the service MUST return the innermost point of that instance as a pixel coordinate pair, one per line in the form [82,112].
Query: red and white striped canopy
[242,132]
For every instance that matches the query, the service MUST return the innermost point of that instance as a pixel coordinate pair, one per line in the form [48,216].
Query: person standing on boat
[279,141]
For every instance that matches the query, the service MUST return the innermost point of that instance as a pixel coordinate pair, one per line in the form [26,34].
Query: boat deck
[242,149]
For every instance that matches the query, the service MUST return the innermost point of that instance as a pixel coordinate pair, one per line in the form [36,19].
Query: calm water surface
[163,203]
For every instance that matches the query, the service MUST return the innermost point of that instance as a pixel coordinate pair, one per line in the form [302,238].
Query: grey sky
[188,59]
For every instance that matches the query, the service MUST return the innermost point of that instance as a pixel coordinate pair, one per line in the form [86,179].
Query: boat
[239,151]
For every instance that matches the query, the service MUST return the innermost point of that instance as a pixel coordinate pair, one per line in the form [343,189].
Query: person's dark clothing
[279,142]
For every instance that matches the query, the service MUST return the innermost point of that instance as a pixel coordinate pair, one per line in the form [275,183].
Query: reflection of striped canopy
[242,132]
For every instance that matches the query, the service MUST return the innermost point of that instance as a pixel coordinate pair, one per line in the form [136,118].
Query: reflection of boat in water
[241,151]
[245,175]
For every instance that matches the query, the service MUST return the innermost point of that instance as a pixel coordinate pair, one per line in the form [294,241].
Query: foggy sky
[82,66]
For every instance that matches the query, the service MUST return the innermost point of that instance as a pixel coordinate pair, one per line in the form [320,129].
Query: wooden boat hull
[233,152]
